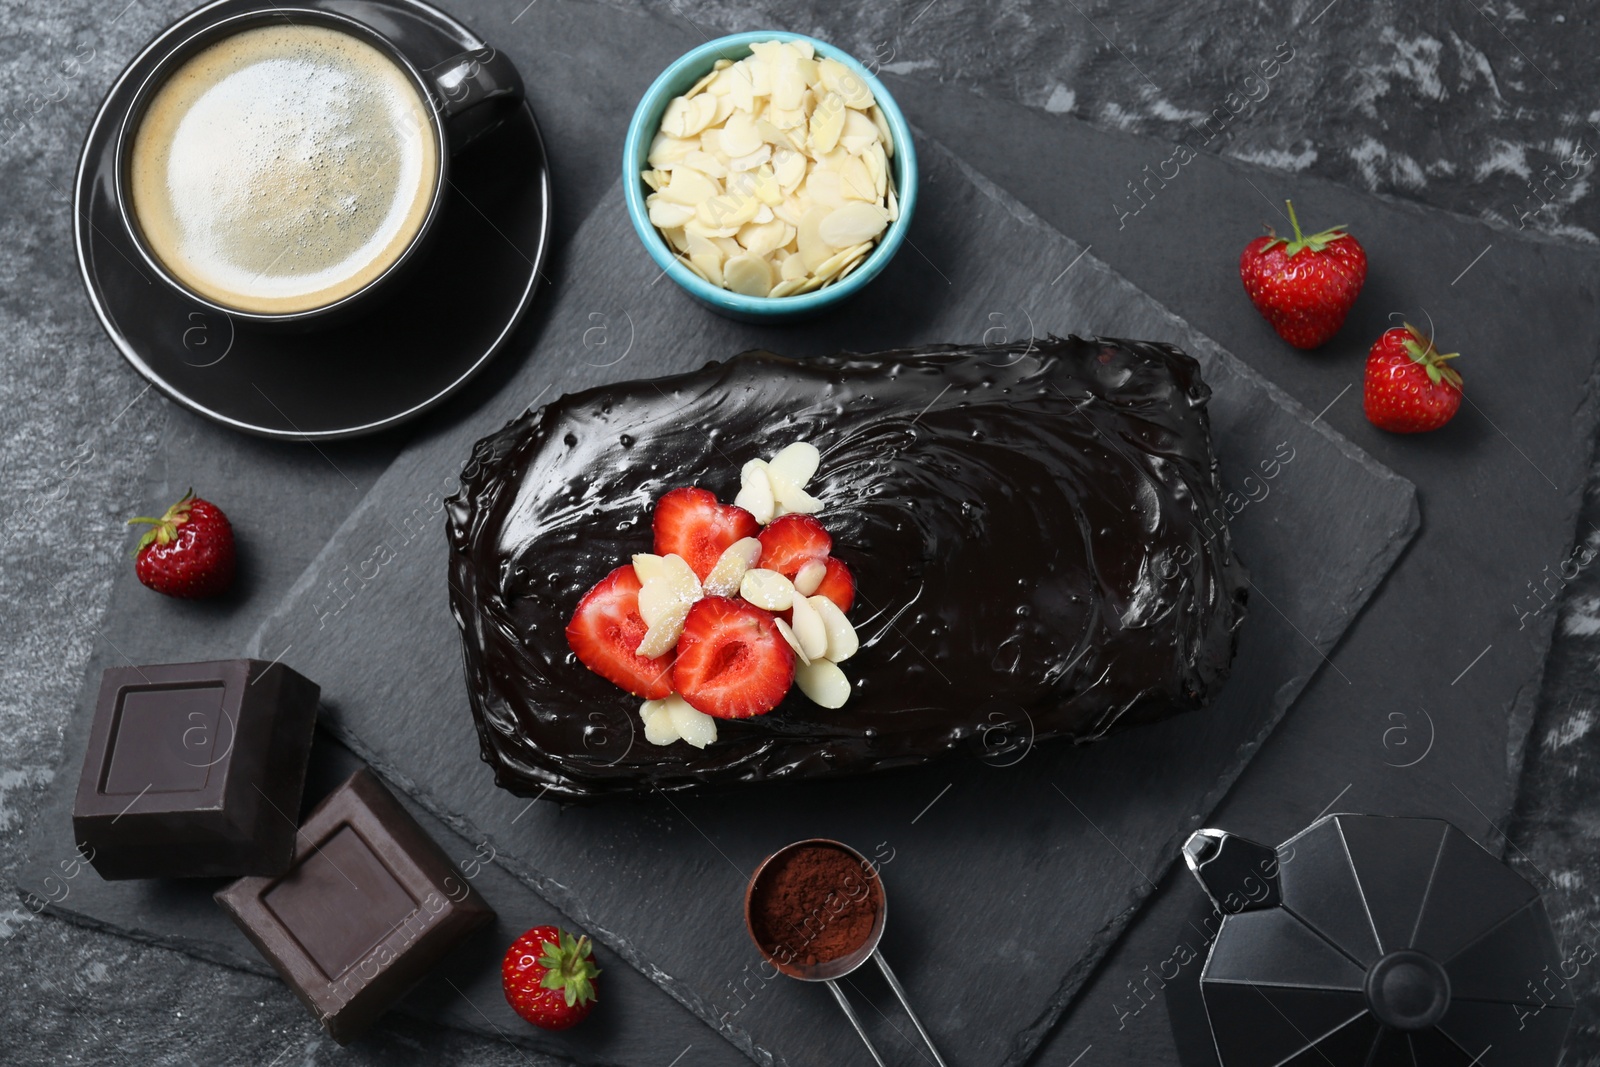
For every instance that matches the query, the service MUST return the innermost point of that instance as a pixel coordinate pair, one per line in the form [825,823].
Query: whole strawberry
[549,977]
[188,552]
[1409,386]
[1304,287]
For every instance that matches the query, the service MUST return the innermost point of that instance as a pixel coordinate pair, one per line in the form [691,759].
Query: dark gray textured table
[1454,106]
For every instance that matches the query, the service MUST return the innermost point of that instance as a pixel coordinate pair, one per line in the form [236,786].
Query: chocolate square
[164,740]
[195,770]
[343,877]
[370,905]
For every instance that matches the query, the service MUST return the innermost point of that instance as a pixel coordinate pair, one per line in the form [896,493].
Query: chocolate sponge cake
[1037,526]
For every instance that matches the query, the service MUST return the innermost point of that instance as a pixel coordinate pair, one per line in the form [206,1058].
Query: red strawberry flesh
[731,660]
[838,585]
[689,522]
[791,541]
[606,629]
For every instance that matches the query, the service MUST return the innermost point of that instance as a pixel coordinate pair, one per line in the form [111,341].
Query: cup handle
[475,89]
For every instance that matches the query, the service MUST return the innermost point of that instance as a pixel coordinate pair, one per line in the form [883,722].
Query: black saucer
[439,327]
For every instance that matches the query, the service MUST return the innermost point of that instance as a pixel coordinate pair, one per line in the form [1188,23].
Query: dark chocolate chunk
[195,770]
[370,905]
[1034,529]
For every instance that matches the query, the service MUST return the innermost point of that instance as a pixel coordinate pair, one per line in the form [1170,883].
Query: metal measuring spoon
[829,972]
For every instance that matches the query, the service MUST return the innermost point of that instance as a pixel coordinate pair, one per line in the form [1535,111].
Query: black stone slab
[661,880]
[1499,487]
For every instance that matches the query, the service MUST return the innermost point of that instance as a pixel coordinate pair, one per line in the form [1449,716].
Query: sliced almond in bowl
[851,224]
[668,215]
[689,187]
[739,135]
[802,137]
[835,265]
[814,251]
[666,150]
[748,274]
[827,123]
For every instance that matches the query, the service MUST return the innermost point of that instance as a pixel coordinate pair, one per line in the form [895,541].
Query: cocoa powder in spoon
[814,905]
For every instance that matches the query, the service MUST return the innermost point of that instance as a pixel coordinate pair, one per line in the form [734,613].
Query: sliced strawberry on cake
[789,542]
[732,661]
[726,615]
[691,523]
[837,584]
[606,629]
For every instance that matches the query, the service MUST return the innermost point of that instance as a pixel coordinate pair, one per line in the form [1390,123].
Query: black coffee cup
[467,95]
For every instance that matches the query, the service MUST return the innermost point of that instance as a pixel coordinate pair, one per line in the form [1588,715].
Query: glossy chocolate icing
[1036,526]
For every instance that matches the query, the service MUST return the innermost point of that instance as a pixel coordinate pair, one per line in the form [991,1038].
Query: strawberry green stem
[166,527]
[1425,354]
[568,968]
[1316,241]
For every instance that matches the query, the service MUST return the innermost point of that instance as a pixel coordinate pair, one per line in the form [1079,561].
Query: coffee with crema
[283,168]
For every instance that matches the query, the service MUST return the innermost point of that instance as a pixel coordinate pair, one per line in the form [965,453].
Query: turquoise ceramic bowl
[676,80]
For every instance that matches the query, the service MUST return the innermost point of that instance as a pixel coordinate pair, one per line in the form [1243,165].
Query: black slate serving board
[982,853]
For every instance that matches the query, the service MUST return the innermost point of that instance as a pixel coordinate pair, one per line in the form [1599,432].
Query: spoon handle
[899,991]
[838,994]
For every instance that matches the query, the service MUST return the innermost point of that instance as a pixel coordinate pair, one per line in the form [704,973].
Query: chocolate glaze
[1036,526]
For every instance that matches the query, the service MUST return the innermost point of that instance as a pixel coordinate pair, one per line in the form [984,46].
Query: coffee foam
[283,168]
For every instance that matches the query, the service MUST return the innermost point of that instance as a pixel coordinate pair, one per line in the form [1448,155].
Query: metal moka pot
[1375,942]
